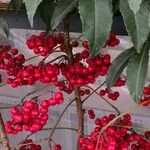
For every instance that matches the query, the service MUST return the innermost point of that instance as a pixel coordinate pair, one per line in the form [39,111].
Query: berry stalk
[3,135]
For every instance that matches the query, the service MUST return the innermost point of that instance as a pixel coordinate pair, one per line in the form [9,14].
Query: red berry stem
[3,135]
[110,104]
[59,119]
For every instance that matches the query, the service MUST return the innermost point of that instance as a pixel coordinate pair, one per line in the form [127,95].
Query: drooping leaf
[115,5]
[137,71]
[62,8]
[137,24]
[31,7]
[96,17]
[46,10]
[118,65]
[4,26]
[135,5]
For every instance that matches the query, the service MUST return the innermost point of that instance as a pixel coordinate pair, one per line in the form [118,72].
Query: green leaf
[62,8]
[115,4]
[96,17]
[4,26]
[137,71]
[118,65]
[46,10]
[137,24]
[31,6]
[135,5]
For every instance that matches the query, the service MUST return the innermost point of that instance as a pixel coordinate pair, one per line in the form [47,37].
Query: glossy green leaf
[96,17]
[118,65]
[62,8]
[31,7]
[46,10]
[4,26]
[137,24]
[135,5]
[137,71]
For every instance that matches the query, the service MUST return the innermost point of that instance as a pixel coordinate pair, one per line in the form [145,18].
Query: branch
[93,92]
[56,124]
[115,108]
[34,93]
[3,135]
[118,117]
[58,58]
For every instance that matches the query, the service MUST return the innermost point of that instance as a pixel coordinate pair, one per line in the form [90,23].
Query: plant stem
[79,106]
[116,118]
[79,114]
[61,128]
[56,124]
[3,135]
[115,108]
[93,92]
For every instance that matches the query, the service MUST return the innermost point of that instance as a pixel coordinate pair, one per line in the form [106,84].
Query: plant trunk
[3,135]
[79,107]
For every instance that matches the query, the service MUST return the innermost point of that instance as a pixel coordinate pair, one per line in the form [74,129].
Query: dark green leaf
[31,6]
[61,10]
[46,9]
[96,17]
[137,24]
[117,66]
[135,5]
[137,71]
[4,26]
[115,5]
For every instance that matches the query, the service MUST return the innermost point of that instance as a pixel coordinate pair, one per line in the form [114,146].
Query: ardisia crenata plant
[74,72]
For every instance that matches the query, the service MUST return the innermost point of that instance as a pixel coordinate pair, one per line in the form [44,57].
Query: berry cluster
[112,40]
[29,146]
[146,96]
[85,71]
[42,45]
[84,92]
[91,114]
[10,59]
[31,116]
[111,95]
[121,81]
[29,74]
[115,137]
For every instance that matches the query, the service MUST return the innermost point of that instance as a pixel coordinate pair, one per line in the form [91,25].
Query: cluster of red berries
[121,81]
[42,45]
[115,137]
[29,74]
[112,40]
[84,92]
[146,97]
[111,94]
[82,73]
[91,114]
[29,146]
[31,116]
[10,59]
